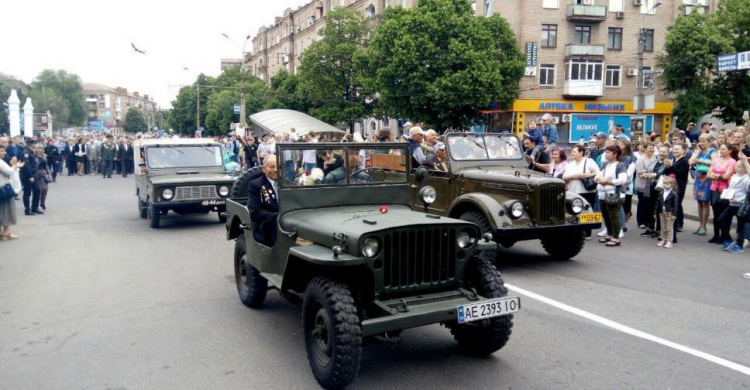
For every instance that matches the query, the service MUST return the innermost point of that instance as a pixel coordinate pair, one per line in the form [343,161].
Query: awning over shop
[279,121]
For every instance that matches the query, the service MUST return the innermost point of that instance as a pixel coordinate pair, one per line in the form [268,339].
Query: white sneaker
[602,233]
[746,275]
[622,233]
[746,244]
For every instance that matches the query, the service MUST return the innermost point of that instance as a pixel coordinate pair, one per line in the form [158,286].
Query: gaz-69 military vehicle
[183,175]
[363,262]
[488,182]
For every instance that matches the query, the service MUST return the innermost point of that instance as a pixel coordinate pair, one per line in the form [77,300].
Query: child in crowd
[666,207]
[535,135]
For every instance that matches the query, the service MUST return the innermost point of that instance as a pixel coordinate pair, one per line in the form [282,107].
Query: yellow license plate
[590,218]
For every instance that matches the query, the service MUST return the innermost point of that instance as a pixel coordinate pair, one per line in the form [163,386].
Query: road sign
[733,61]
[236,109]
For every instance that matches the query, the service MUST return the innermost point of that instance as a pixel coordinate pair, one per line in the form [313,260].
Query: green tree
[220,111]
[61,93]
[286,93]
[135,121]
[330,75]
[182,118]
[438,63]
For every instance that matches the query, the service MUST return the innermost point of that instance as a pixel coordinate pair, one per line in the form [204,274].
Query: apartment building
[107,107]
[582,61]
[230,62]
[582,56]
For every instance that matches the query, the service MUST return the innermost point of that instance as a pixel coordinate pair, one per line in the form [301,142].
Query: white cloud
[92,39]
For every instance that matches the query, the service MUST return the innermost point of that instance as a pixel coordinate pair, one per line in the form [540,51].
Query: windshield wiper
[206,147]
[172,147]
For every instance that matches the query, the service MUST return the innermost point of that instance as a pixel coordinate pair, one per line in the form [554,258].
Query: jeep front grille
[419,258]
[551,204]
[195,193]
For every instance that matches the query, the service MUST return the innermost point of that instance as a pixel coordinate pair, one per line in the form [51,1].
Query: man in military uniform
[54,158]
[31,187]
[107,153]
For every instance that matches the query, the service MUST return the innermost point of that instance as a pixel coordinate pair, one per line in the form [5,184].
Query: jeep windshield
[184,156]
[470,147]
[342,164]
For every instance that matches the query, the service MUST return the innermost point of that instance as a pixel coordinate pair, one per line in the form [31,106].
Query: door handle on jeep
[244,227]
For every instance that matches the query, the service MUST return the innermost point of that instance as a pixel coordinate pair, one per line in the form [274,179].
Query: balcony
[584,88]
[583,50]
[587,13]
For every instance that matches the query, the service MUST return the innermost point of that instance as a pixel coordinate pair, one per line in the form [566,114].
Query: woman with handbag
[612,176]
[703,155]
[8,195]
[43,176]
[644,215]
[580,176]
[722,169]
[655,178]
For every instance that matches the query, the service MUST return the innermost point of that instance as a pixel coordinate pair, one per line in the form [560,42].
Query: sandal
[9,237]
[605,240]
[702,232]
[613,243]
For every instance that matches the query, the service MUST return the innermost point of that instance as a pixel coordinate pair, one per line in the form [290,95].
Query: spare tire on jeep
[239,188]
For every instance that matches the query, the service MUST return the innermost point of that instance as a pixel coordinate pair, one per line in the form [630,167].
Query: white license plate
[488,309]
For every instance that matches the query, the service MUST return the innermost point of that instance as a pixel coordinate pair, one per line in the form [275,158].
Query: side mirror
[421,174]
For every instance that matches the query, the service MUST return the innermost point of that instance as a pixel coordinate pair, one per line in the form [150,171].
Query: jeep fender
[309,261]
[492,209]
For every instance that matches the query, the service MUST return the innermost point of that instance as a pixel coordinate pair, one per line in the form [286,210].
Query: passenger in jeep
[263,203]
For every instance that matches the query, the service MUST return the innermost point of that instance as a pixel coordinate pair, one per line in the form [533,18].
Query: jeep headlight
[516,210]
[576,206]
[428,194]
[464,239]
[223,190]
[167,194]
[370,247]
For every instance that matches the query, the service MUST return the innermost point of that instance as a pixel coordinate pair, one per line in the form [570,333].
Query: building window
[585,70]
[547,74]
[647,7]
[474,6]
[613,76]
[614,38]
[549,35]
[582,35]
[616,6]
[550,3]
[403,3]
[370,11]
[488,8]
[648,40]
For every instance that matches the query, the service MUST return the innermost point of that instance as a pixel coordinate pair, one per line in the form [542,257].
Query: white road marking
[633,332]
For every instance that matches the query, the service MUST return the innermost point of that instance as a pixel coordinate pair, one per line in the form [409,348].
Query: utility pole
[641,77]
[198,109]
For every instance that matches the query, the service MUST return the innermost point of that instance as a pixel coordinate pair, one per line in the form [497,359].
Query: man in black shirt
[31,187]
[54,158]
[536,156]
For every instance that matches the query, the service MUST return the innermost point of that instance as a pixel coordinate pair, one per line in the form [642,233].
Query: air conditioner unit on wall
[588,2]
[620,15]
[566,118]
[556,120]
[638,2]
[633,72]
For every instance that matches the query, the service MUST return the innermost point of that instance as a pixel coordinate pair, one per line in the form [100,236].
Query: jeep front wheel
[564,246]
[333,336]
[483,337]
[154,216]
[251,286]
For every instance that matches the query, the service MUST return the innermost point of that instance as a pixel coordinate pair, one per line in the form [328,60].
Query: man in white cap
[549,131]
[416,137]
[407,127]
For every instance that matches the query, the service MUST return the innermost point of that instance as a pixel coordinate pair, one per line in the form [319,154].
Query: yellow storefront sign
[581,106]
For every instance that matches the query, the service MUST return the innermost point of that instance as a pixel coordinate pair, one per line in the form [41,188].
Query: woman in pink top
[720,172]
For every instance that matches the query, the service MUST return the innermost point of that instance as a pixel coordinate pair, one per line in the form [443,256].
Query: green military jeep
[186,176]
[362,261]
[488,182]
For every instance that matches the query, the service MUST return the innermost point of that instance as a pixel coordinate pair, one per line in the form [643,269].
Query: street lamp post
[243,120]
[641,80]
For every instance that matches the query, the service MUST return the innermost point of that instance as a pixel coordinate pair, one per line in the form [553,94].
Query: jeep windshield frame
[389,183]
[170,156]
[470,150]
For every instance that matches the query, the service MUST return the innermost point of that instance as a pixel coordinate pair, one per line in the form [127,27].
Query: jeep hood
[508,175]
[321,225]
[191,179]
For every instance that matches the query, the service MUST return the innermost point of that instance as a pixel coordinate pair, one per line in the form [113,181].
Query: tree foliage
[689,63]
[438,63]
[329,74]
[61,93]
[286,93]
[135,121]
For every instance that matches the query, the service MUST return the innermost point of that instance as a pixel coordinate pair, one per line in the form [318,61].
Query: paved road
[91,298]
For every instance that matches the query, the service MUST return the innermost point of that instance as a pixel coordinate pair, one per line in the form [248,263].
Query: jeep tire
[239,187]
[482,338]
[154,216]
[251,286]
[142,211]
[333,335]
[564,246]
